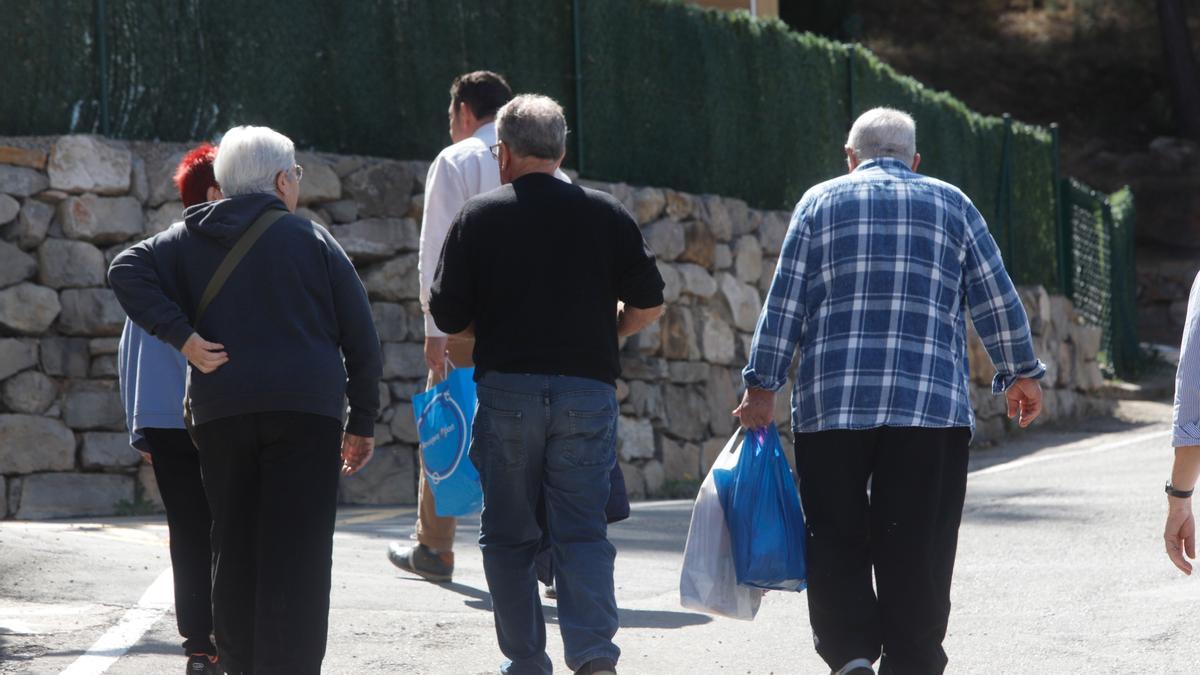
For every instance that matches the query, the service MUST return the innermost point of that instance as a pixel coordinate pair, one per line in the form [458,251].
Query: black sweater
[287,315]
[538,266]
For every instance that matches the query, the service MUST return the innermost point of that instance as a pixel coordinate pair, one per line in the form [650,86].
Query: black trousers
[177,470]
[904,529]
[272,481]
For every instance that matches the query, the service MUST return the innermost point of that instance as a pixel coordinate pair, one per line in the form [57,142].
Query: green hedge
[673,95]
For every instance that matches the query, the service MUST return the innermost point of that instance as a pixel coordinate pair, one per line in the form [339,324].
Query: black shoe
[199,664]
[598,667]
[422,562]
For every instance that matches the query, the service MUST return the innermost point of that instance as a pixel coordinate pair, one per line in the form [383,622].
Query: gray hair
[249,159]
[532,125]
[884,132]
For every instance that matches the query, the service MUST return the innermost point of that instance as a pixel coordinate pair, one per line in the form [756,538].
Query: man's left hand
[356,452]
[1024,401]
[757,409]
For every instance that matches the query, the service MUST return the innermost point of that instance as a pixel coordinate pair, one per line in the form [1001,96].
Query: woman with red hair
[152,376]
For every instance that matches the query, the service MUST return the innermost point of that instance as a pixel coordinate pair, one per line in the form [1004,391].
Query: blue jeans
[554,437]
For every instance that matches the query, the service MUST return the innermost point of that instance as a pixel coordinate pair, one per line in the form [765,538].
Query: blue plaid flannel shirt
[877,274]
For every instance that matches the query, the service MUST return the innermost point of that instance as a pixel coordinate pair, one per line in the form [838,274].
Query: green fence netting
[656,92]
[1100,277]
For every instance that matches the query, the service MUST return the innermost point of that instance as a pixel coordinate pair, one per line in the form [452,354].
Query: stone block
[748,260]
[700,246]
[33,222]
[405,390]
[672,281]
[649,339]
[404,425]
[403,360]
[101,220]
[645,401]
[1037,307]
[721,396]
[161,161]
[29,392]
[320,183]
[722,257]
[30,443]
[93,405]
[1088,377]
[635,483]
[655,477]
[622,391]
[10,208]
[376,239]
[687,412]
[635,438]
[162,218]
[744,302]
[680,205]
[642,367]
[688,372]
[88,164]
[1086,339]
[67,495]
[709,451]
[20,181]
[15,265]
[394,280]
[773,231]
[342,211]
[91,312]
[717,341]
[101,346]
[16,355]
[416,208]
[768,275]
[391,321]
[716,214]
[679,333]
[389,478]
[697,280]
[681,460]
[978,362]
[28,309]
[65,357]
[139,182]
[34,159]
[648,204]
[103,366]
[105,450]
[382,188]
[66,263]
[147,487]
[666,239]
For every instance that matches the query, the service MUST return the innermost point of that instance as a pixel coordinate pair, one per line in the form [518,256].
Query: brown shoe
[421,561]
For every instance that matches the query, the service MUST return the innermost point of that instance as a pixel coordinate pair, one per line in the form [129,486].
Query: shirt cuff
[1001,382]
[1185,434]
[754,380]
[360,425]
[177,335]
[431,329]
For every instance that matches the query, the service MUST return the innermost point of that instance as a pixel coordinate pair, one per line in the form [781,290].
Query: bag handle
[235,255]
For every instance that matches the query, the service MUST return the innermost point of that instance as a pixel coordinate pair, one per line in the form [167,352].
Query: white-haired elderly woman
[287,338]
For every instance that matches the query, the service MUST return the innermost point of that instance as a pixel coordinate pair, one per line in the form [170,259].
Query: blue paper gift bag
[444,415]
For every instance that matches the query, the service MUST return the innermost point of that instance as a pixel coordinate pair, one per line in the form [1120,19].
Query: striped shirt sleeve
[995,307]
[1186,419]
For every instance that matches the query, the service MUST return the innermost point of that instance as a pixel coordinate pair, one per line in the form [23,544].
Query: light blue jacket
[152,375]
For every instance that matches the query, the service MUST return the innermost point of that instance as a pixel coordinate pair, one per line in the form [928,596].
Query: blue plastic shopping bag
[766,522]
[444,415]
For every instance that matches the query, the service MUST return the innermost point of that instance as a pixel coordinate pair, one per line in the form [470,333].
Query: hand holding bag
[444,417]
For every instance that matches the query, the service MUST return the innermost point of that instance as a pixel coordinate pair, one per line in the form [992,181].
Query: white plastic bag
[708,582]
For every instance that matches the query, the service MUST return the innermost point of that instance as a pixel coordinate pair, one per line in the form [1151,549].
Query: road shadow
[1022,443]
[992,506]
[629,618]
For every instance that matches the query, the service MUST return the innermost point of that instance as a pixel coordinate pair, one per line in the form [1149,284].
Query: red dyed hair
[194,175]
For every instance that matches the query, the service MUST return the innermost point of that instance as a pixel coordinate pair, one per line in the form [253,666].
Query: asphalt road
[1060,569]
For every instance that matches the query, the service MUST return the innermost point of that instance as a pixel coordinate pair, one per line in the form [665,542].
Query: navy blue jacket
[287,316]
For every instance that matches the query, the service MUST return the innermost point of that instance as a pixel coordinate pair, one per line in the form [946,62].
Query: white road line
[1105,447]
[111,646]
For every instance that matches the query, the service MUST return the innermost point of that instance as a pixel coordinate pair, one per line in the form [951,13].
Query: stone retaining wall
[69,204]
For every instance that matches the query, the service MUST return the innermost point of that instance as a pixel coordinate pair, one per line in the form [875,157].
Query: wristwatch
[1182,494]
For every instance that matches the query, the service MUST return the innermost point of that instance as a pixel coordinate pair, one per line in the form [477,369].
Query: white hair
[532,125]
[884,132]
[249,159]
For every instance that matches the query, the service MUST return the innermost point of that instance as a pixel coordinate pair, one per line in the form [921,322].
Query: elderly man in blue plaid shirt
[877,275]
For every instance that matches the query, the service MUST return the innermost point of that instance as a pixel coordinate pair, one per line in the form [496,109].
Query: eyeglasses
[299,173]
[495,150]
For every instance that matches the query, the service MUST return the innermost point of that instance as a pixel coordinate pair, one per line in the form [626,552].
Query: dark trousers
[177,471]
[272,482]
[905,529]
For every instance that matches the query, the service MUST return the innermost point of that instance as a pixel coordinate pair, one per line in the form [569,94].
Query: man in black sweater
[547,276]
[287,339]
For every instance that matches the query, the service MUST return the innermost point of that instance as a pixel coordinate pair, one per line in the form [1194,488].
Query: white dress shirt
[459,172]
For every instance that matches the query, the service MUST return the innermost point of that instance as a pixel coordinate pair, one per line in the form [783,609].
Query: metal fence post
[102,58]
[851,104]
[1060,233]
[1004,200]
[577,20]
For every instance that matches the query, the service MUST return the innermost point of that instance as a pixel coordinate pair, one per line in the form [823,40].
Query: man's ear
[851,158]
[916,161]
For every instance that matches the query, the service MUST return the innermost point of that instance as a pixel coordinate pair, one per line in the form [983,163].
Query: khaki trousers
[434,531]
